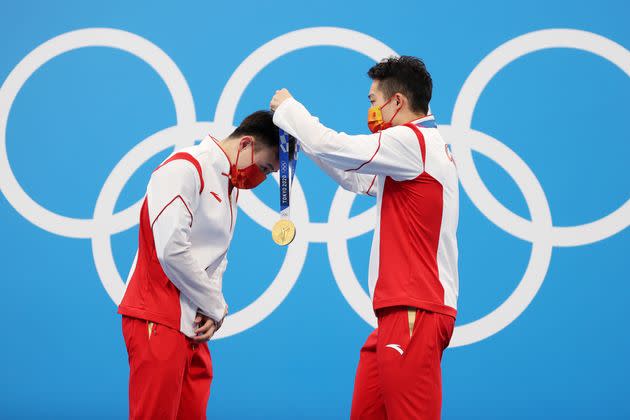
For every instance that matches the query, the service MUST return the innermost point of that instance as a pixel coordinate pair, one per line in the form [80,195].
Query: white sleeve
[349,180]
[394,152]
[173,197]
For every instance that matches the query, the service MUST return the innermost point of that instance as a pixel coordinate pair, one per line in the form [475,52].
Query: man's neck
[404,117]
[230,147]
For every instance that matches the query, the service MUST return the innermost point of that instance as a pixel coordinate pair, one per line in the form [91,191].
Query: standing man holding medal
[174,303]
[413,276]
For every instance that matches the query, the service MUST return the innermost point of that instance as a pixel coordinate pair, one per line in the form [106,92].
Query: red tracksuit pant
[399,375]
[169,374]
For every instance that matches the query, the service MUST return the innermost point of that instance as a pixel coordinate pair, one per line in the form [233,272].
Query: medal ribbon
[287,172]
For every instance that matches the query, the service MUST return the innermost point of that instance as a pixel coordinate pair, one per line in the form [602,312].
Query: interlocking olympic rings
[340,227]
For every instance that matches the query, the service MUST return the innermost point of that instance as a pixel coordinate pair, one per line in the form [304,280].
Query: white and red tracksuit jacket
[186,225]
[411,171]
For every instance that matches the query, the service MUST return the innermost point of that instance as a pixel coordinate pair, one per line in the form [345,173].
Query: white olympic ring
[340,227]
[134,44]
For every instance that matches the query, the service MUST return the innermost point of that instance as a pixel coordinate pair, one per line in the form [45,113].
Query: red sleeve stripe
[372,158]
[169,203]
[371,185]
[423,146]
[189,158]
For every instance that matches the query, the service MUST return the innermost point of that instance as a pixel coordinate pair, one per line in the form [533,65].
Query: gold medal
[283,232]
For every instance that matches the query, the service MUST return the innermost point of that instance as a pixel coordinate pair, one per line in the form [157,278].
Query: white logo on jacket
[396,347]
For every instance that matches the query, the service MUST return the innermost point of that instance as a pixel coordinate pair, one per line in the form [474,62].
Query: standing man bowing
[173,303]
[413,277]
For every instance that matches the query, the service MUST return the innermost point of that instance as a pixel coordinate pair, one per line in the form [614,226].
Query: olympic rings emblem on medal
[340,227]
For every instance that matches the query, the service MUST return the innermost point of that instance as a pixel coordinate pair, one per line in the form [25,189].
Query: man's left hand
[206,328]
[280,96]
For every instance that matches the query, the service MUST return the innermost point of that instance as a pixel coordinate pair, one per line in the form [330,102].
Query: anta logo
[396,347]
[215,195]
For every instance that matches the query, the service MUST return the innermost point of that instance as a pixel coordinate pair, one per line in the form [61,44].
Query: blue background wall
[562,111]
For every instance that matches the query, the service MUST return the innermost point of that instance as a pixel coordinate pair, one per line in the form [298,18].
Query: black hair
[260,126]
[407,75]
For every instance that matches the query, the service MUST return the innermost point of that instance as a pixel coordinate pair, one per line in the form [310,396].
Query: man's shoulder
[405,135]
[208,157]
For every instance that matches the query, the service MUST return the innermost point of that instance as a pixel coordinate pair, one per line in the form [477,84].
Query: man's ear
[246,141]
[400,99]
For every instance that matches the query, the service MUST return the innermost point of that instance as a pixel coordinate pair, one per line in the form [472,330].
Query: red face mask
[375,118]
[248,177]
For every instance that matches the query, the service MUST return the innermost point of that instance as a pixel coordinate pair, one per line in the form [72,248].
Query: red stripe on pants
[169,374]
[390,385]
